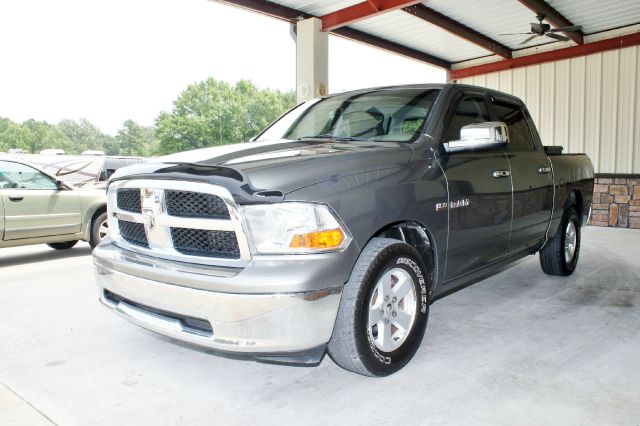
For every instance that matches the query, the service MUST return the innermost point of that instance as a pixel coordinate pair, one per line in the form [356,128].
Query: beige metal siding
[588,104]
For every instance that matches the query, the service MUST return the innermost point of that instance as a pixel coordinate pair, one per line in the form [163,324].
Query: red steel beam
[357,12]
[553,55]
[554,17]
[293,15]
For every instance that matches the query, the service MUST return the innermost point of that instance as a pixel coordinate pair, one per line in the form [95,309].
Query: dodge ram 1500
[337,227]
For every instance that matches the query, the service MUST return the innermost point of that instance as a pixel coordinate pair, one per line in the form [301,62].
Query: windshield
[379,115]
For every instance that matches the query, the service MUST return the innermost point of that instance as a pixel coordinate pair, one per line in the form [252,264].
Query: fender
[88,216]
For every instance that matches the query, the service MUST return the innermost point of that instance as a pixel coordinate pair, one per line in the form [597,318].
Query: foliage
[83,135]
[134,139]
[216,113]
[206,113]
[75,137]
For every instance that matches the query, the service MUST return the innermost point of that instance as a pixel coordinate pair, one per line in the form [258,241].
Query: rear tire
[99,229]
[63,246]
[383,311]
[560,255]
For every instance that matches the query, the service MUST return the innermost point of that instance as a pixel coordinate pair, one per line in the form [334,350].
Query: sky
[114,60]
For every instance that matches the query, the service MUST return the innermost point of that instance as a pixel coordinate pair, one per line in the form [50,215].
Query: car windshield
[379,115]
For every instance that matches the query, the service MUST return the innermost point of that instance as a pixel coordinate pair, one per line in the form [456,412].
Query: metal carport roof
[454,34]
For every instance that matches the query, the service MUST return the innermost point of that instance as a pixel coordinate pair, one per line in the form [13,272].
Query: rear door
[531,176]
[479,205]
[34,206]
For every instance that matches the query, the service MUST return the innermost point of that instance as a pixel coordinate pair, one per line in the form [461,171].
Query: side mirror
[60,185]
[491,134]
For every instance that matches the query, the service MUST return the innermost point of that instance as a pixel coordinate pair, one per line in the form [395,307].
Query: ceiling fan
[538,29]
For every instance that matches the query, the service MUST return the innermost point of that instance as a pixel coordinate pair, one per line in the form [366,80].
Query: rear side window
[520,138]
[470,110]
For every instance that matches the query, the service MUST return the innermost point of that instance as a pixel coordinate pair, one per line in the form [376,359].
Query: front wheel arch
[418,237]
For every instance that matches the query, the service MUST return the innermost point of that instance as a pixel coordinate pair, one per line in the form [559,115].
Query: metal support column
[312,60]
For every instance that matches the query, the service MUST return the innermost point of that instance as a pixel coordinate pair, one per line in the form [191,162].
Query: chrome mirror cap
[487,135]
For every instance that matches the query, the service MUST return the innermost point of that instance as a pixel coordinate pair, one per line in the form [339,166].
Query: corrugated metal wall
[588,104]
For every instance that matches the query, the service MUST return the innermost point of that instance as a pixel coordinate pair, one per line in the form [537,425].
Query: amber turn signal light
[328,239]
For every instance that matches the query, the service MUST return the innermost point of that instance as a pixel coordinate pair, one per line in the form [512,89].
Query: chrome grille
[133,233]
[195,204]
[129,200]
[202,225]
[198,242]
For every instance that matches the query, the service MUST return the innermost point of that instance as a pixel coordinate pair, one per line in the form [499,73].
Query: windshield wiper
[335,138]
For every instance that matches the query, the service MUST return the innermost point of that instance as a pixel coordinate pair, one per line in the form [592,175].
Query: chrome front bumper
[250,323]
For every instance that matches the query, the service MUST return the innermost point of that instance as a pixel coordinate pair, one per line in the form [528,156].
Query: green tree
[45,135]
[215,113]
[15,135]
[133,139]
[82,135]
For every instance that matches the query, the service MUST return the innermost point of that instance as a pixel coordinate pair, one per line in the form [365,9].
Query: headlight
[294,228]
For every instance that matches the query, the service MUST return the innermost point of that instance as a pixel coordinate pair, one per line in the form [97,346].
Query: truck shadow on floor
[22,259]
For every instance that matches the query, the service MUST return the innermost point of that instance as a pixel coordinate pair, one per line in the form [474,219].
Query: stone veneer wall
[616,201]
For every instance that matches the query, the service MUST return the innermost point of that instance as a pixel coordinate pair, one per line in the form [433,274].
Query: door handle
[15,198]
[544,169]
[501,173]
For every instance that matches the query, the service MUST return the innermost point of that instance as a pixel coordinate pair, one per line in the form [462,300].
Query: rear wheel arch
[575,200]
[578,203]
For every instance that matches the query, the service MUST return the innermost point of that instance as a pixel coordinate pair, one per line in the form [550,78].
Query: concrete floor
[518,348]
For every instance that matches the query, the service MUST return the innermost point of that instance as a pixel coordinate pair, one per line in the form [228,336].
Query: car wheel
[560,255]
[99,229]
[63,246]
[383,311]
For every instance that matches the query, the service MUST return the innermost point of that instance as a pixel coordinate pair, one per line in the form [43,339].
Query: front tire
[99,229]
[383,311]
[63,246]
[560,255]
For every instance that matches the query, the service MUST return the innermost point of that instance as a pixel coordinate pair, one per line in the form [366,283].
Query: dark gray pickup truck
[338,226]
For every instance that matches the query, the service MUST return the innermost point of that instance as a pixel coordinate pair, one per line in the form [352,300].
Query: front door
[480,202]
[33,205]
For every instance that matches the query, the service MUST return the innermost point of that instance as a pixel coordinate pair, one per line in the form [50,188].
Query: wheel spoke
[103,231]
[402,320]
[375,316]
[385,284]
[402,287]
[570,241]
[385,337]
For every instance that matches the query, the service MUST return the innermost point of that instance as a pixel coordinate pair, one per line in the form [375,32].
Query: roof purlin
[458,29]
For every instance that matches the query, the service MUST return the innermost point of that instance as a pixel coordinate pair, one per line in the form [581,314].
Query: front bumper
[273,326]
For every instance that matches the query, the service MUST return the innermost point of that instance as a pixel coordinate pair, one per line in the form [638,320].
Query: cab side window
[470,110]
[16,175]
[520,138]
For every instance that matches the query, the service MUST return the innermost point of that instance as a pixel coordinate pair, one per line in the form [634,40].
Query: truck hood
[272,168]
